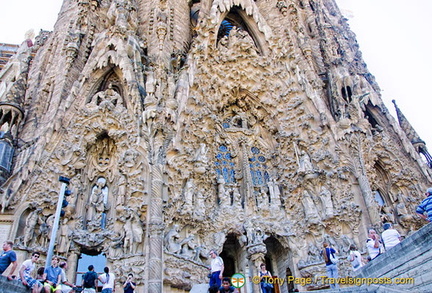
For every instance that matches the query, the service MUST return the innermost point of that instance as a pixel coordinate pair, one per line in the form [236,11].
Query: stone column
[72,261]
[156,227]
[256,254]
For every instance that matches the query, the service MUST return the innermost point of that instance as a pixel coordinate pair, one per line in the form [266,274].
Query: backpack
[89,279]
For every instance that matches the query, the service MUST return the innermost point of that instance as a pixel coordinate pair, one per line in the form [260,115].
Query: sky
[394,36]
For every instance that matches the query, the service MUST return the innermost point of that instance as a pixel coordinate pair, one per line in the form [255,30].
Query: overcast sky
[394,36]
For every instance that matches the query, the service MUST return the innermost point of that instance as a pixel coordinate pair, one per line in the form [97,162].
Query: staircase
[409,262]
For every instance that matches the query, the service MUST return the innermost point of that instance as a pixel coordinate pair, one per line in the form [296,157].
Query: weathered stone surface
[411,259]
[7,286]
[249,127]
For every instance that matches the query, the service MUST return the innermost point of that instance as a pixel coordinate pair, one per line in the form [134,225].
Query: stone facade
[252,127]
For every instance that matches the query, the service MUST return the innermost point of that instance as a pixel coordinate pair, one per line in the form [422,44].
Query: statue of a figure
[171,240]
[201,159]
[30,225]
[188,192]
[98,200]
[305,164]
[274,193]
[63,240]
[188,247]
[311,213]
[313,254]
[45,228]
[121,192]
[112,96]
[133,233]
[326,199]
[237,200]
[200,208]
[405,218]
[138,232]
[387,215]
[123,16]
[262,198]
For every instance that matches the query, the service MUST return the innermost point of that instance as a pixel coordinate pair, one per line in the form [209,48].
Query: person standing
[217,268]
[52,276]
[129,285]
[390,236]
[108,281]
[8,257]
[373,244]
[426,206]
[266,287]
[355,257]
[26,268]
[331,268]
[90,280]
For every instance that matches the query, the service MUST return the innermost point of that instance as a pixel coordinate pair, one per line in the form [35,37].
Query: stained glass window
[6,155]
[224,165]
[258,167]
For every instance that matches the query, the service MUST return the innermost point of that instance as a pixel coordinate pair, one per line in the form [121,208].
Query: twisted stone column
[156,227]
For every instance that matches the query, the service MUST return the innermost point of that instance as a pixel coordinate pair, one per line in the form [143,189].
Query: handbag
[267,285]
[333,258]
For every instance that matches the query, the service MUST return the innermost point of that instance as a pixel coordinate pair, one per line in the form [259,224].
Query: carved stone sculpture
[257,131]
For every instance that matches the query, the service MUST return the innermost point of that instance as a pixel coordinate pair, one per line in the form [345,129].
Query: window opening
[258,168]
[90,258]
[378,197]
[224,165]
[233,19]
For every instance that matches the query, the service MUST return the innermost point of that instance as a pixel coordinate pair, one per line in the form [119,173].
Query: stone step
[412,267]
[199,288]
[412,258]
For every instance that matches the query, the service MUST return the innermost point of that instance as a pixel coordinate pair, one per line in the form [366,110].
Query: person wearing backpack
[329,256]
[90,280]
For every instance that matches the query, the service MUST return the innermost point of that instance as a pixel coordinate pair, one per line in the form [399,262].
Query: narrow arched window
[258,167]
[224,165]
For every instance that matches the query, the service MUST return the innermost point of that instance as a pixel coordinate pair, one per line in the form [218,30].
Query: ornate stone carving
[260,143]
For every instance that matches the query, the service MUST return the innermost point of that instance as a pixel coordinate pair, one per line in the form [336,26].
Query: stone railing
[14,286]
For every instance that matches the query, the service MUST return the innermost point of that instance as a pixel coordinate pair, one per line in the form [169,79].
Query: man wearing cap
[426,206]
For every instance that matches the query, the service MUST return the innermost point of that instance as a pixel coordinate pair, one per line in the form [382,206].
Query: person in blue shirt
[331,268]
[226,286]
[8,257]
[426,206]
[52,276]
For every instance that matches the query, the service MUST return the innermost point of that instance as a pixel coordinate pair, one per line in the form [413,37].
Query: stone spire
[412,135]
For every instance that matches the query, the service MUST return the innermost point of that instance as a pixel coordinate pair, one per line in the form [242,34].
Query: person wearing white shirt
[390,236]
[108,281]
[217,268]
[355,258]
[373,244]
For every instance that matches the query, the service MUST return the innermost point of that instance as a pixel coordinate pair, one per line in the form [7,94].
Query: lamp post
[63,188]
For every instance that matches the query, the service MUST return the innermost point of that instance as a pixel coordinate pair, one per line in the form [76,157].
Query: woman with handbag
[266,285]
[331,260]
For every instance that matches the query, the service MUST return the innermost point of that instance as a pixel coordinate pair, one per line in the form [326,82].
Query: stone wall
[250,127]
[7,286]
